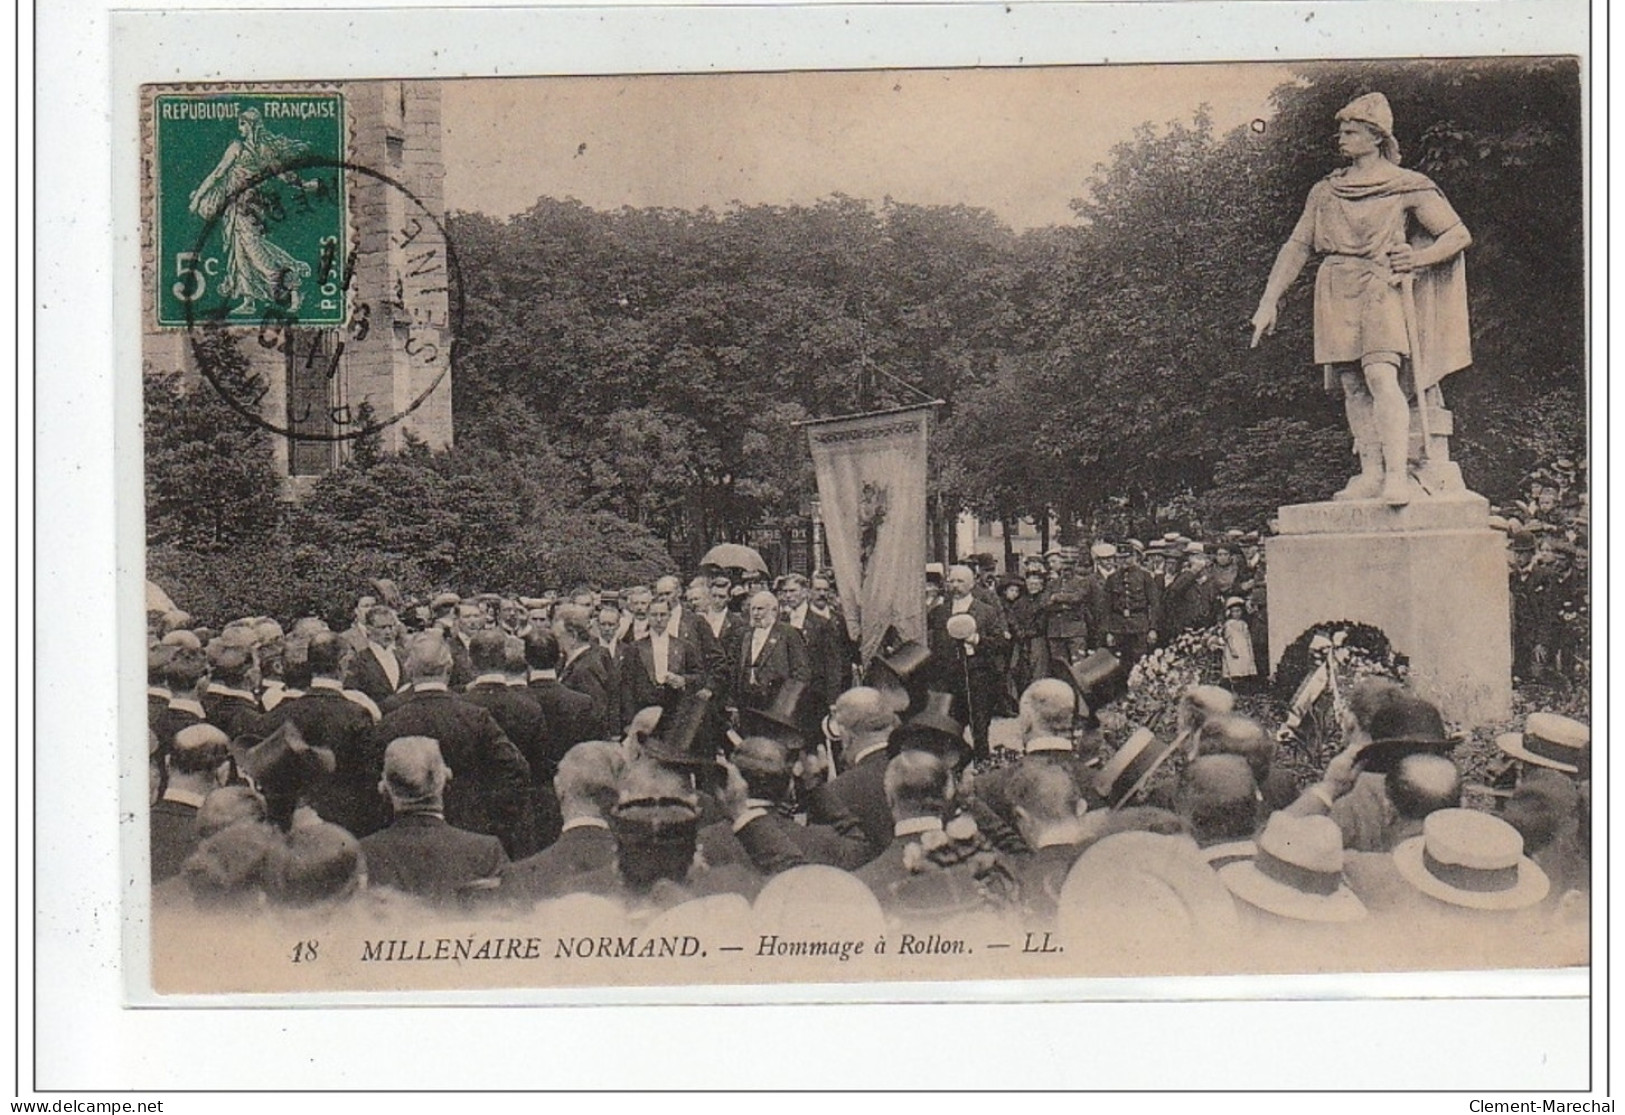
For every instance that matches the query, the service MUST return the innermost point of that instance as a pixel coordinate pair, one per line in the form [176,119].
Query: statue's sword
[1407,297]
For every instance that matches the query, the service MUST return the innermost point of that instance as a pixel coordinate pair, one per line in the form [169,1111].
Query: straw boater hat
[1549,740]
[1471,859]
[1102,550]
[1297,872]
[1132,767]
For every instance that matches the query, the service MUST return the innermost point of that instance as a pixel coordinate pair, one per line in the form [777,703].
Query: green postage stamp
[250,208]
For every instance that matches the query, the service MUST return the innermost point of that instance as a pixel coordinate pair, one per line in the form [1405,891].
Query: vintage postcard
[860,526]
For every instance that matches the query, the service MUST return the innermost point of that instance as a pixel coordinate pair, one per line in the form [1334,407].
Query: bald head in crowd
[1048,708]
[428,658]
[918,784]
[588,780]
[1423,783]
[865,721]
[415,775]
[200,752]
[1047,805]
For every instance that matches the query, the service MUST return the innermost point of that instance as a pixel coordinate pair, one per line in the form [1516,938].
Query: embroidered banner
[871,484]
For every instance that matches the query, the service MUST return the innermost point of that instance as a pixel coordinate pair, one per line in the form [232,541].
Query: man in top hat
[969,644]
[196,764]
[658,667]
[492,793]
[587,667]
[420,853]
[586,785]
[229,702]
[761,774]
[1132,599]
[568,714]
[375,670]
[1379,230]
[864,719]
[330,719]
[770,653]
[1047,718]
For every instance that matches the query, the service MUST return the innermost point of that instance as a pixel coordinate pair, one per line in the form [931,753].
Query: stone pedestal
[1432,575]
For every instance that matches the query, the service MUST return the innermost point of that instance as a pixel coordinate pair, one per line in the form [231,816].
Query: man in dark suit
[420,853]
[920,790]
[375,670]
[1048,812]
[586,787]
[770,652]
[1047,719]
[515,710]
[827,605]
[759,832]
[329,719]
[470,621]
[229,702]
[196,764]
[567,713]
[865,723]
[826,653]
[491,793]
[587,667]
[658,668]
[1185,600]
[188,675]
[688,622]
[971,668]
[709,603]
[158,692]
[1067,605]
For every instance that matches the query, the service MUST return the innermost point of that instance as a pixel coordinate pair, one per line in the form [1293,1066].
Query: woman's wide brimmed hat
[1472,859]
[1297,873]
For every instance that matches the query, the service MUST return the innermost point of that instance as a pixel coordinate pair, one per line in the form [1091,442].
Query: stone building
[391,363]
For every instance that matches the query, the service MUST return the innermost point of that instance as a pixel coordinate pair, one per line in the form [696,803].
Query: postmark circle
[283,313]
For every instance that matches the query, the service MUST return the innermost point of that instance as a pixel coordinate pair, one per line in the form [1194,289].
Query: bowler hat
[932,729]
[1403,725]
[679,736]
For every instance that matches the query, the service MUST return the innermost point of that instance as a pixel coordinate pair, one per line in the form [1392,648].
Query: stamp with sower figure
[252,221]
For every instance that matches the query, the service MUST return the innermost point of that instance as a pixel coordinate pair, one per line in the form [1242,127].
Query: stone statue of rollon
[1390,305]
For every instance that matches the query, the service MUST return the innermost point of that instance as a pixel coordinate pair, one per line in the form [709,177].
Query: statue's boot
[1396,489]
[1368,484]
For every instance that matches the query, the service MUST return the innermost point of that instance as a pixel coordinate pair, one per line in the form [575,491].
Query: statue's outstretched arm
[1289,264]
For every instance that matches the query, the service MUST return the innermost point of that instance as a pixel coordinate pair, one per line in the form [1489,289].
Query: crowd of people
[673,743]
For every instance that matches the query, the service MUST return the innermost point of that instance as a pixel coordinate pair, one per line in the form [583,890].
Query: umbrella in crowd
[731,555]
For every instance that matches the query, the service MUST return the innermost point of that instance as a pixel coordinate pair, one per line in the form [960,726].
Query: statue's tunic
[1359,313]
